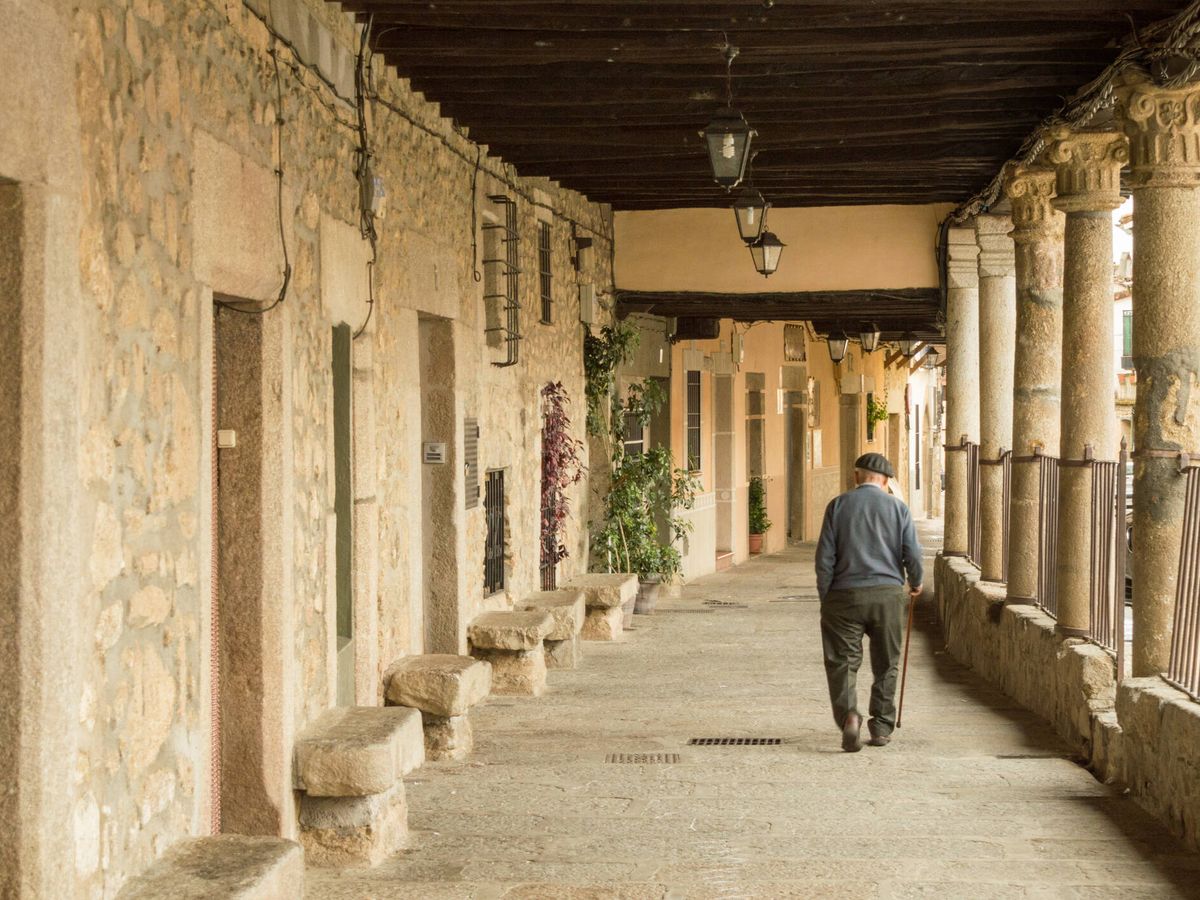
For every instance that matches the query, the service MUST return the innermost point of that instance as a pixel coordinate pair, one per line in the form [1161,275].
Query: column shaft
[997,322]
[1164,130]
[962,379]
[1088,182]
[1038,236]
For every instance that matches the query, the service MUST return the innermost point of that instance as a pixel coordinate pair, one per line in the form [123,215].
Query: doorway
[849,436]
[343,507]
[795,438]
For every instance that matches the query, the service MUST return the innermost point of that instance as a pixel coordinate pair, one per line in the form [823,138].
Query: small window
[1127,339]
[635,436]
[693,421]
[870,419]
[756,410]
[544,268]
[493,556]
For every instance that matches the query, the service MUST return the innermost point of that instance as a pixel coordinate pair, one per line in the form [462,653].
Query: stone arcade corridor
[974,799]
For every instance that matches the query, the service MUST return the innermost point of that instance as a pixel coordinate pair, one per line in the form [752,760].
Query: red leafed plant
[561,468]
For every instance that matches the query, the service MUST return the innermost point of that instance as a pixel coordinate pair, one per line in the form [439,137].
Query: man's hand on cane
[914,593]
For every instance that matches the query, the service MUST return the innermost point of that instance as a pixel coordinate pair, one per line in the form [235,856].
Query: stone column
[962,378]
[1164,131]
[1088,169]
[1038,236]
[997,322]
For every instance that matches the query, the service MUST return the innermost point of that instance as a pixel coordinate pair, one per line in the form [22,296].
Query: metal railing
[974,487]
[1047,580]
[1108,556]
[1183,670]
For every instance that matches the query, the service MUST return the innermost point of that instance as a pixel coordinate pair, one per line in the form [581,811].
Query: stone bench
[234,866]
[443,687]
[567,608]
[512,643]
[350,764]
[604,595]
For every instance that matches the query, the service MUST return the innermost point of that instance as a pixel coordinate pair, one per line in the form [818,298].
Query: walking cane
[912,602]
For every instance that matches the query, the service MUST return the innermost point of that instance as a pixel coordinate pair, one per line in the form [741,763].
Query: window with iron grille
[1127,339]
[544,268]
[756,412]
[471,461]
[693,421]
[493,556]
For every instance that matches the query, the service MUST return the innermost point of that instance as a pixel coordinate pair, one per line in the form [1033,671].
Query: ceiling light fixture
[728,136]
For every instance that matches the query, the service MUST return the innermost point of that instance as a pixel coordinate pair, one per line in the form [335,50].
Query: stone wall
[141,140]
[1143,734]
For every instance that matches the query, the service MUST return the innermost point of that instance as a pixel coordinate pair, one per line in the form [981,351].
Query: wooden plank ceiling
[855,101]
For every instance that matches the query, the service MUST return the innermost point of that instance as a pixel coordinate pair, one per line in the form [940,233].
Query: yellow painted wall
[828,248]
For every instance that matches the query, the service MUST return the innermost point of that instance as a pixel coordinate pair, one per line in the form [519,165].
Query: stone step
[440,684]
[358,750]
[511,631]
[228,866]
[566,606]
[606,590]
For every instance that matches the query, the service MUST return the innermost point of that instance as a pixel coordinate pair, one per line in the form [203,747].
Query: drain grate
[643,759]
[725,604]
[735,742]
[686,610]
[797,598]
[1029,756]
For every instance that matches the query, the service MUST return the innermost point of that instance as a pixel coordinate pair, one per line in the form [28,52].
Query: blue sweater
[867,539]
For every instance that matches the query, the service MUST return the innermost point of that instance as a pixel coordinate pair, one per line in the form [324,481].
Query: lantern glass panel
[870,338]
[728,138]
[838,344]
[750,210]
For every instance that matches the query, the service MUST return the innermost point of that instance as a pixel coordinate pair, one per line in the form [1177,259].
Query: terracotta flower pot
[756,541]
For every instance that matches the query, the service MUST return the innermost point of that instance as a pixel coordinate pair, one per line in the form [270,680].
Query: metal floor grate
[643,759]
[725,604]
[797,598]
[734,742]
[686,610]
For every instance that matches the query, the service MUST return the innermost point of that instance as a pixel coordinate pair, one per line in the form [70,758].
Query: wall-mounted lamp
[838,344]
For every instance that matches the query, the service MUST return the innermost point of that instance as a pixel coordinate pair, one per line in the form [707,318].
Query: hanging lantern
[838,344]
[931,359]
[766,252]
[869,337]
[908,344]
[728,137]
[750,210]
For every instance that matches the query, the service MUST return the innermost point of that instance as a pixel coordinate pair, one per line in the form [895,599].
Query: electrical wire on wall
[369,190]
[475,273]
[248,308]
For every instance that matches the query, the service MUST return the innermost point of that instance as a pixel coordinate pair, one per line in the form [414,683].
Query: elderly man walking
[866,553]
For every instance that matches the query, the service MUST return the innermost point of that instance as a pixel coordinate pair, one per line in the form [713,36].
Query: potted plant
[759,523]
[645,489]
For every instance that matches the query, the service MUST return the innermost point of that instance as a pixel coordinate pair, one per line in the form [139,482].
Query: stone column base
[448,738]
[353,831]
[603,624]
[516,672]
[563,654]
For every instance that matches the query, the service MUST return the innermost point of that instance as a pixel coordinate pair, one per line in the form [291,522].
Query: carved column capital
[963,265]
[996,252]
[1087,167]
[1163,125]
[1030,189]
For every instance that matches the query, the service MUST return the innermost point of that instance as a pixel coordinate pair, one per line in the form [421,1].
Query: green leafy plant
[645,489]
[562,467]
[759,523]
[877,411]
[602,354]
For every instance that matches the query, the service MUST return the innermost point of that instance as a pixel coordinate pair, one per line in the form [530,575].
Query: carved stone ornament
[1087,166]
[1030,189]
[963,265]
[1163,126]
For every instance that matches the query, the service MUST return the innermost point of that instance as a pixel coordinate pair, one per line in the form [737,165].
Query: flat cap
[875,462]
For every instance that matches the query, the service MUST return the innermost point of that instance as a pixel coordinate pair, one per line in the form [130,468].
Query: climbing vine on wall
[602,354]
[562,467]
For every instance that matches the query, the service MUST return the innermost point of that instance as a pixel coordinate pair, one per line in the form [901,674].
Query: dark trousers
[846,615]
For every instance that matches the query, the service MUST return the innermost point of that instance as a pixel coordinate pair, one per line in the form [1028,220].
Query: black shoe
[851,733]
[879,740]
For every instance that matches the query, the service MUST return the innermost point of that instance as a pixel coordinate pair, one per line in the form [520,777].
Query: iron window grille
[545,272]
[505,286]
[635,435]
[693,420]
[471,461]
[493,556]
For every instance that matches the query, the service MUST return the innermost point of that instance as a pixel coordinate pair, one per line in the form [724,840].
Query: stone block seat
[604,595]
[233,866]
[350,764]
[443,687]
[512,643]
[568,609]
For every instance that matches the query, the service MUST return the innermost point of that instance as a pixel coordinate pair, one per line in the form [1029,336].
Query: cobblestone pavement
[974,798]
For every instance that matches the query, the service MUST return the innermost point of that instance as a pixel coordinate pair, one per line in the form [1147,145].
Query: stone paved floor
[973,799]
